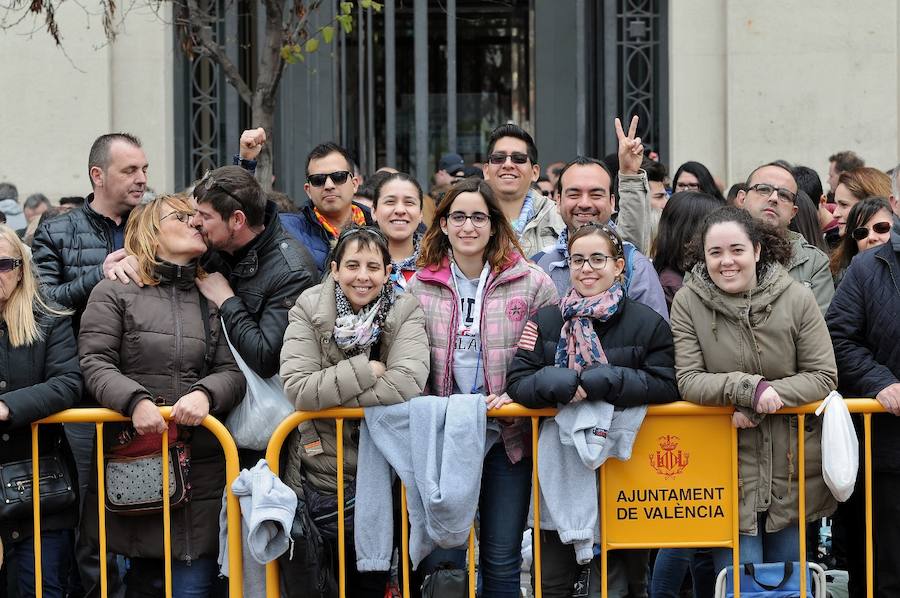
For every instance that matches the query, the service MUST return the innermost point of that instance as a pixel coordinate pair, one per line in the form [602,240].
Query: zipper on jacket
[179,345]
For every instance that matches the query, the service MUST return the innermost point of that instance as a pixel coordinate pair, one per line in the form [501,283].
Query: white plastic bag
[840,447]
[254,420]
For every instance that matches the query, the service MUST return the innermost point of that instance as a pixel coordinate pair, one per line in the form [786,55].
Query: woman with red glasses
[868,225]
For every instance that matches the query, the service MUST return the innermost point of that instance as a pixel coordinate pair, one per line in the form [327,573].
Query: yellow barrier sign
[677,486]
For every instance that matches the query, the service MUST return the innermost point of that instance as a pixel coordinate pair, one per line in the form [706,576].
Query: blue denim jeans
[146,578]
[503,510]
[671,566]
[56,558]
[764,547]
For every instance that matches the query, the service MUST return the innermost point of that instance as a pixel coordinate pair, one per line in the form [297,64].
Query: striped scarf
[579,346]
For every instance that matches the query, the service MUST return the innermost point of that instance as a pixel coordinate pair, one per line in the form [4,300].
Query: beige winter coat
[724,345]
[317,375]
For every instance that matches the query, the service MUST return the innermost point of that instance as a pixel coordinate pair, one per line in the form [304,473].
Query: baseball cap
[451,163]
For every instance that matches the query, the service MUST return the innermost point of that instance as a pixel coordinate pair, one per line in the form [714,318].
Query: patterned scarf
[579,346]
[358,218]
[356,333]
[397,268]
[525,215]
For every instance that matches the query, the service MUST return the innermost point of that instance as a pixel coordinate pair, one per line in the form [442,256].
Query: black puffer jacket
[638,345]
[37,381]
[266,280]
[149,343]
[864,322]
[68,251]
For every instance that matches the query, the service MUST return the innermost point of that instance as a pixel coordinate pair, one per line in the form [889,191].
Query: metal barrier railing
[99,417]
[864,406]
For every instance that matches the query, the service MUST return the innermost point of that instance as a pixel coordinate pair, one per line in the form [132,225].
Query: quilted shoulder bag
[16,487]
[134,484]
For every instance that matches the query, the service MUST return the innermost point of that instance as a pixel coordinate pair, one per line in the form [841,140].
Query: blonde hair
[142,233]
[25,302]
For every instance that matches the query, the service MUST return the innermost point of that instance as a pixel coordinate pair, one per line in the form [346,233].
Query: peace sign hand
[631,150]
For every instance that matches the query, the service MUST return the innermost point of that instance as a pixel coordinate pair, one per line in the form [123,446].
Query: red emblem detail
[669,461]
[516,309]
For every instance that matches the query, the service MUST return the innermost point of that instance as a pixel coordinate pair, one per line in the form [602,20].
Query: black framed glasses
[9,263]
[766,190]
[499,158]
[597,261]
[687,187]
[209,183]
[338,177]
[182,217]
[862,232]
[479,219]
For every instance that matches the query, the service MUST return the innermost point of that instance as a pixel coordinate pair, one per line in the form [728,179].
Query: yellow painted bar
[167,519]
[536,501]
[36,507]
[471,555]
[870,572]
[99,416]
[404,540]
[604,540]
[736,518]
[101,510]
[801,499]
[342,565]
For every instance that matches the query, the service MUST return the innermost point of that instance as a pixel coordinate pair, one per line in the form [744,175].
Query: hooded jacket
[317,375]
[149,343]
[809,266]
[544,227]
[724,346]
[864,320]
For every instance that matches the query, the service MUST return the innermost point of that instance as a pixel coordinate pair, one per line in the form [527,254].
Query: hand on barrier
[769,401]
[191,409]
[739,420]
[377,368]
[252,141]
[146,418]
[495,402]
[890,398]
[120,266]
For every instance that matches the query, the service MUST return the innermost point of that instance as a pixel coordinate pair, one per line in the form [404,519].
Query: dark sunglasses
[318,180]
[500,158]
[862,232]
[9,263]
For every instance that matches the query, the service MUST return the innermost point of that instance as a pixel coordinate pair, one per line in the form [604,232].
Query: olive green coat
[724,346]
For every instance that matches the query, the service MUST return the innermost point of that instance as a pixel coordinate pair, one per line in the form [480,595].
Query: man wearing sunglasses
[330,185]
[771,196]
[510,170]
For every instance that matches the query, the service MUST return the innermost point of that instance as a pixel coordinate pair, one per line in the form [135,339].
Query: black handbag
[323,508]
[16,497]
[307,571]
[446,582]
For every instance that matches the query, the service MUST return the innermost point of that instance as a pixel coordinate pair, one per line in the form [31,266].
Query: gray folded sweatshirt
[437,447]
[571,447]
[267,513]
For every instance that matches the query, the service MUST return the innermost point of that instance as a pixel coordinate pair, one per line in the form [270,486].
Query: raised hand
[252,141]
[631,150]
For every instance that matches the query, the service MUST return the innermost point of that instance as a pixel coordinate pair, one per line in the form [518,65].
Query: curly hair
[772,242]
[503,243]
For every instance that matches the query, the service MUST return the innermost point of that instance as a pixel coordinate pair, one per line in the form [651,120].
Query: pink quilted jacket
[511,297]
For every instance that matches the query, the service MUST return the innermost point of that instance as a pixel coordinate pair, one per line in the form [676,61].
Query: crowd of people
[597,287]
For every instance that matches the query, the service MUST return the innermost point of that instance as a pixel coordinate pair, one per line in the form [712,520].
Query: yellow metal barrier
[101,416]
[680,409]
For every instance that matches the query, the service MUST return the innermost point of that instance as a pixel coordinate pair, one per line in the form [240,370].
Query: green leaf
[328,33]
[377,6]
[291,53]
[346,22]
[367,4]
[312,44]
[346,7]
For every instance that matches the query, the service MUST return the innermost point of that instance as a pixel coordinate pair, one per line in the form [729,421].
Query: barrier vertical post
[801,499]
[36,502]
[404,540]
[471,561]
[167,520]
[536,501]
[736,518]
[870,572]
[339,430]
[101,511]
[604,538]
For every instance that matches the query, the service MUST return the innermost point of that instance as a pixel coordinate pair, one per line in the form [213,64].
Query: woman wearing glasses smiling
[477,292]
[868,225]
[153,345]
[596,346]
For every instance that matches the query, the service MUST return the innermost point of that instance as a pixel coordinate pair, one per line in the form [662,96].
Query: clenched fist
[252,141]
